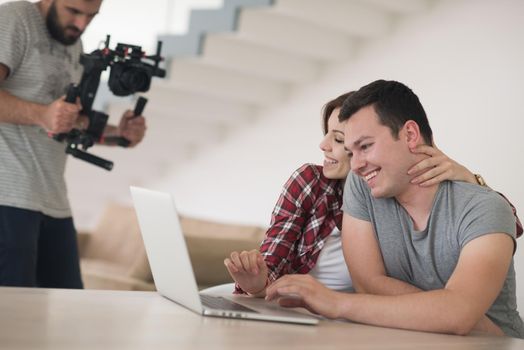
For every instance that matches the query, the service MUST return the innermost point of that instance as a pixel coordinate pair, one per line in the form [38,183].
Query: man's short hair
[394,103]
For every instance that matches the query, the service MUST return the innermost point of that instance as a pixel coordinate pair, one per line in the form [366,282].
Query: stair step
[297,36]
[184,104]
[200,75]
[350,17]
[203,22]
[232,51]
[401,7]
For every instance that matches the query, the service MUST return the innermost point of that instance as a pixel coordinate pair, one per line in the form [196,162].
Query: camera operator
[40,48]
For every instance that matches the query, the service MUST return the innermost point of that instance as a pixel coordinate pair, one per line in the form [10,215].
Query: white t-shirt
[331,269]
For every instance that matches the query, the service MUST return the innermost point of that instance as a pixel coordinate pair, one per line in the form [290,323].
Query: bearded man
[40,48]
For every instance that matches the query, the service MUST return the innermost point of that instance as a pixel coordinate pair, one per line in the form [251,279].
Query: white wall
[465,60]
[139,22]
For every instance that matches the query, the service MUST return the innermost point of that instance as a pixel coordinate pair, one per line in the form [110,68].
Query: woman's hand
[249,270]
[437,168]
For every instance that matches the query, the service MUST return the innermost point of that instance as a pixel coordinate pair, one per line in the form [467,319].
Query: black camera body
[129,73]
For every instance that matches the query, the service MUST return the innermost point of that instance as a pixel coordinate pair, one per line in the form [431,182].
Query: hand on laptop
[249,270]
[305,291]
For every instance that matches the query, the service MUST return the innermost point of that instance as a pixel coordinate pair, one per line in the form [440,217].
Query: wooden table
[90,319]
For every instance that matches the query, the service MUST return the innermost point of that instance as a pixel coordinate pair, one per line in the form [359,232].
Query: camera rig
[129,74]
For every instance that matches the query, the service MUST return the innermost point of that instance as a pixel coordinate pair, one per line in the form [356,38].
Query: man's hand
[305,291]
[249,270]
[132,127]
[60,116]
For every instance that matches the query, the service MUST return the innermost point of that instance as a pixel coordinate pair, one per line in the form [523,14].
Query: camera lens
[127,78]
[135,79]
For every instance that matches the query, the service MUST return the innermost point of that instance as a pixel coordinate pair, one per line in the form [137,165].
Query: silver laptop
[173,273]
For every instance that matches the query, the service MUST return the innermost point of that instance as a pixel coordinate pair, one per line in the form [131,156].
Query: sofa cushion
[140,268]
[209,243]
[117,237]
[114,255]
[99,274]
[214,229]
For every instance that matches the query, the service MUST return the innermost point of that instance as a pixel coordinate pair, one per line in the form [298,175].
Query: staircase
[249,55]
[235,62]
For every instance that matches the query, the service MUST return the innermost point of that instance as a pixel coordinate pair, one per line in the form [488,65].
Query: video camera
[129,74]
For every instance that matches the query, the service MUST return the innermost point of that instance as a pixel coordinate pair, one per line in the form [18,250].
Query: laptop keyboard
[223,304]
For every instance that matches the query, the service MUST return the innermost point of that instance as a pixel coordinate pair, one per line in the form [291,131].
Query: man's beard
[56,30]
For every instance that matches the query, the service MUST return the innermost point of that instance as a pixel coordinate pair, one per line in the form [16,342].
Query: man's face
[377,157]
[66,20]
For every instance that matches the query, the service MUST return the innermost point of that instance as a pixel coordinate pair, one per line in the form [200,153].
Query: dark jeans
[37,250]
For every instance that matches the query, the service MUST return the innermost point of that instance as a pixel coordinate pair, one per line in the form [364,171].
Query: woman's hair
[330,107]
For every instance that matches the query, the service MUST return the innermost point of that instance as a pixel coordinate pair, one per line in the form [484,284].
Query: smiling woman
[304,235]
[336,160]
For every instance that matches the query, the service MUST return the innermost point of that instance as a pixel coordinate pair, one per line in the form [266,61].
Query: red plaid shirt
[306,213]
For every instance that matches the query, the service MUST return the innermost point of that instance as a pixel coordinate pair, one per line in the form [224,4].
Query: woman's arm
[288,219]
[439,167]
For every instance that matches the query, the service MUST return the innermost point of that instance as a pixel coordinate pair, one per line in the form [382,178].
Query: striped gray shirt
[40,68]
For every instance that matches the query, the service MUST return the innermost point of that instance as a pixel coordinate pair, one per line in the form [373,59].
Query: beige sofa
[113,255]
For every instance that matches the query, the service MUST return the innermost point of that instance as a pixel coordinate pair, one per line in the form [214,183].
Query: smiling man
[40,48]
[437,258]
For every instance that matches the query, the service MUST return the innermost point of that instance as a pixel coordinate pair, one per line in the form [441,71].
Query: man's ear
[412,133]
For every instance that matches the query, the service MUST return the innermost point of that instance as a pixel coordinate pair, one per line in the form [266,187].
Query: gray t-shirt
[40,69]
[426,259]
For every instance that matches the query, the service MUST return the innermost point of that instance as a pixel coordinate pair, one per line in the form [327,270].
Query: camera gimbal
[129,74]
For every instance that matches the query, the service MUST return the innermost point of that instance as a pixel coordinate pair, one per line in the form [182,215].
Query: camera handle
[72,93]
[73,150]
[75,135]
[139,109]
